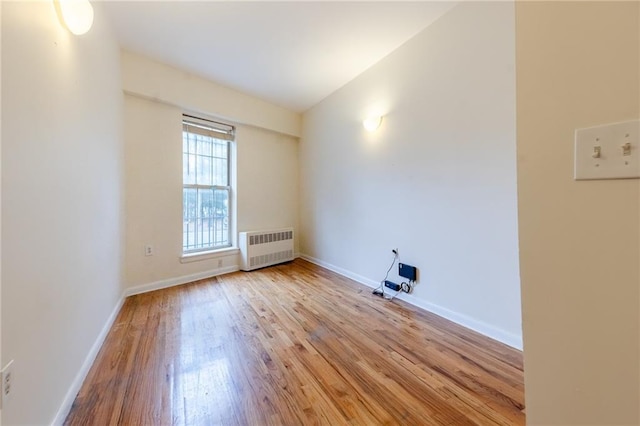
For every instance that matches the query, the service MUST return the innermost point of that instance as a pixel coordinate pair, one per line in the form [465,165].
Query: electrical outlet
[148,250]
[7,382]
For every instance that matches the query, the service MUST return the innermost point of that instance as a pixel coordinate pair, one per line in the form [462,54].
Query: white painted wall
[147,78]
[1,364]
[437,180]
[267,180]
[578,66]
[61,202]
[266,192]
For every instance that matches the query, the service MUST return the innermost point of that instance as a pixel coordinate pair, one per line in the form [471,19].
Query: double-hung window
[206,190]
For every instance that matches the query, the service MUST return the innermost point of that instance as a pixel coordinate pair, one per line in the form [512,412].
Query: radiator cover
[265,248]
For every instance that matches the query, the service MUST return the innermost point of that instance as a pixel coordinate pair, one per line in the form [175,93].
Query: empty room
[291,213]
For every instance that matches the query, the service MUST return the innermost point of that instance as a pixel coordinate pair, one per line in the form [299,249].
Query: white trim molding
[185,279]
[344,272]
[212,254]
[483,328]
[461,319]
[70,397]
[71,394]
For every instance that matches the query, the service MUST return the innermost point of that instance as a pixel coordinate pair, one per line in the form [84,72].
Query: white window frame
[217,131]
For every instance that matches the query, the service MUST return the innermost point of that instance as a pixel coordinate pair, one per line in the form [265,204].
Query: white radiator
[265,248]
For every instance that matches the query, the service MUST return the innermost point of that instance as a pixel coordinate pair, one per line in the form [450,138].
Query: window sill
[206,255]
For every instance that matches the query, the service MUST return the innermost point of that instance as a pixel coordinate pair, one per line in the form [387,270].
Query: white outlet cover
[611,164]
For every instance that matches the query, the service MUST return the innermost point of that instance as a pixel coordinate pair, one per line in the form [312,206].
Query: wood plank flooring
[294,344]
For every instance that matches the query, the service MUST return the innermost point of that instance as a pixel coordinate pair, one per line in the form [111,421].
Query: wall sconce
[75,15]
[372,123]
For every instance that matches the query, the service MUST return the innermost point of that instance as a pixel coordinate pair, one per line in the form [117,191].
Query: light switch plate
[600,151]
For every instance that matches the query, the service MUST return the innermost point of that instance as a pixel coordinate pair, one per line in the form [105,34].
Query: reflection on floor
[289,345]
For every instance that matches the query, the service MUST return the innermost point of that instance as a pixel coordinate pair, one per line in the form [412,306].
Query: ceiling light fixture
[372,123]
[76,15]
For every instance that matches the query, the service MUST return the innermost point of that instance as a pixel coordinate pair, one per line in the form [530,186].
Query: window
[206,190]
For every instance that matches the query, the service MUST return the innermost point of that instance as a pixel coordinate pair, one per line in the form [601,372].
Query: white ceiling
[293,54]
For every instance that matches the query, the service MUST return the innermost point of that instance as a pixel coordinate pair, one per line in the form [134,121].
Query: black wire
[381,286]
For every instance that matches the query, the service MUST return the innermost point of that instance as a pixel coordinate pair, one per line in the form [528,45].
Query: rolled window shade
[208,128]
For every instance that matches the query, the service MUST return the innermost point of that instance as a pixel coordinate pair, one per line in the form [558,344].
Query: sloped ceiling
[292,54]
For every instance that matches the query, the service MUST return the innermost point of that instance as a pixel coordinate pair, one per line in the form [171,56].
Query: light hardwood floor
[291,345]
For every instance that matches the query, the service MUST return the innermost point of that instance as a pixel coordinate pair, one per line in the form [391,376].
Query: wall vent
[265,248]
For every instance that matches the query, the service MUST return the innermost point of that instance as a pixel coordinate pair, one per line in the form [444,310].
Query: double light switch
[608,152]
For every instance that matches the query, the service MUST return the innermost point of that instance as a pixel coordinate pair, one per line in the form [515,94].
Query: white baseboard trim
[483,328]
[185,279]
[461,319]
[343,272]
[65,408]
[488,330]
[70,397]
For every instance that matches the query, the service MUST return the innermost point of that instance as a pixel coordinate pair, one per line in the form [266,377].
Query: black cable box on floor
[393,286]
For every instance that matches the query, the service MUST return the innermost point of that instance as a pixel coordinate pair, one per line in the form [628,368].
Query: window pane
[206,218]
[221,159]
[204,170]
[189,207]
[189,168]
[205,203]
[221,216]
[192,143]
[204,145]
[205,163]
